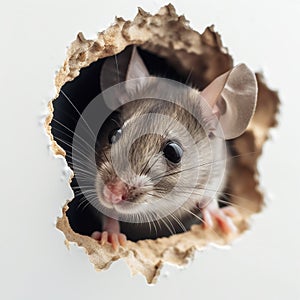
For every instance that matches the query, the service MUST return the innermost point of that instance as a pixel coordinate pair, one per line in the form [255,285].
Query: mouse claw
[104,238]
[230,211]
[115,239]
[222,216]
[96,235]
[122,239]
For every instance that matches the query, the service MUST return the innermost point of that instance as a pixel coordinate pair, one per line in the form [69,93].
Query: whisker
[79,114]
[90,201]
[83,200]
[201,219]
[178,222]
[85,192]
[117,67]
[148,170]
[167,226]
[224,194]
[107,160]
[77,150]
[83,186]
[116,122]
[189,76]
[71,145]
[163,175]
[148,222]
[171,215]
[175,172]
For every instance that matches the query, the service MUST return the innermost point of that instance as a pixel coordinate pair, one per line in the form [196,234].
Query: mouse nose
[115,192]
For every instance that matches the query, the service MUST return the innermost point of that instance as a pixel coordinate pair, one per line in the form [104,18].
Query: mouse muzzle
[115,192]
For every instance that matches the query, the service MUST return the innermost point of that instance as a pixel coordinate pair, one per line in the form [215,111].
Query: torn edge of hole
[169,36]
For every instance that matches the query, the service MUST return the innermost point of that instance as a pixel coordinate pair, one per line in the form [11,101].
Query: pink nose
[115,192]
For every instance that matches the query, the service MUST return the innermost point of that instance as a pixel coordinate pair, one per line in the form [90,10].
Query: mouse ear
[136,69]
[114,69]
[123,67]
[232,97]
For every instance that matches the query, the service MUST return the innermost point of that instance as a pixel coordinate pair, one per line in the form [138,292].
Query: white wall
[34,262]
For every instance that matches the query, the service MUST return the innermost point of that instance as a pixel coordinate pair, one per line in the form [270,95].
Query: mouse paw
[115,239]
[223,217]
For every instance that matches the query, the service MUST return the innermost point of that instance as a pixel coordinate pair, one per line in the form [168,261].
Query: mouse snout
[115,192]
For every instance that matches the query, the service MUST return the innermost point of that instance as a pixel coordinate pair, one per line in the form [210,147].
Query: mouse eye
[173,152]
[114,135]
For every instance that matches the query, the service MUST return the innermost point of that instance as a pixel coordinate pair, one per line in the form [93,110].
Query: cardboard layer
[169,36]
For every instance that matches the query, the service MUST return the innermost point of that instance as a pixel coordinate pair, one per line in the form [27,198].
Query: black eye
[114,135]
[173,152]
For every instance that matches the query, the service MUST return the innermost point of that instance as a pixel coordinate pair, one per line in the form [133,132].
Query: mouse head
[152,154]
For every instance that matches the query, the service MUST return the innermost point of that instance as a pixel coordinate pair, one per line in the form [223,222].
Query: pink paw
[222,216]
[115,239]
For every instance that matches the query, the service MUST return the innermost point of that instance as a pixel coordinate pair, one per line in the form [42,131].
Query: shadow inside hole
[84,218]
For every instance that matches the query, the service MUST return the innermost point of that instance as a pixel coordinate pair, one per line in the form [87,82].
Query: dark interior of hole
[83,217]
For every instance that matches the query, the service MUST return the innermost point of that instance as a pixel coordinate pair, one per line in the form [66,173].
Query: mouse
[161,156]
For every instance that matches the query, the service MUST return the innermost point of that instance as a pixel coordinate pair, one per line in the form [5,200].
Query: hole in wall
[169,48]
[74,97]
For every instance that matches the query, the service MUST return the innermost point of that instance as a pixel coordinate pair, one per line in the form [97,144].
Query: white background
[34,262]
